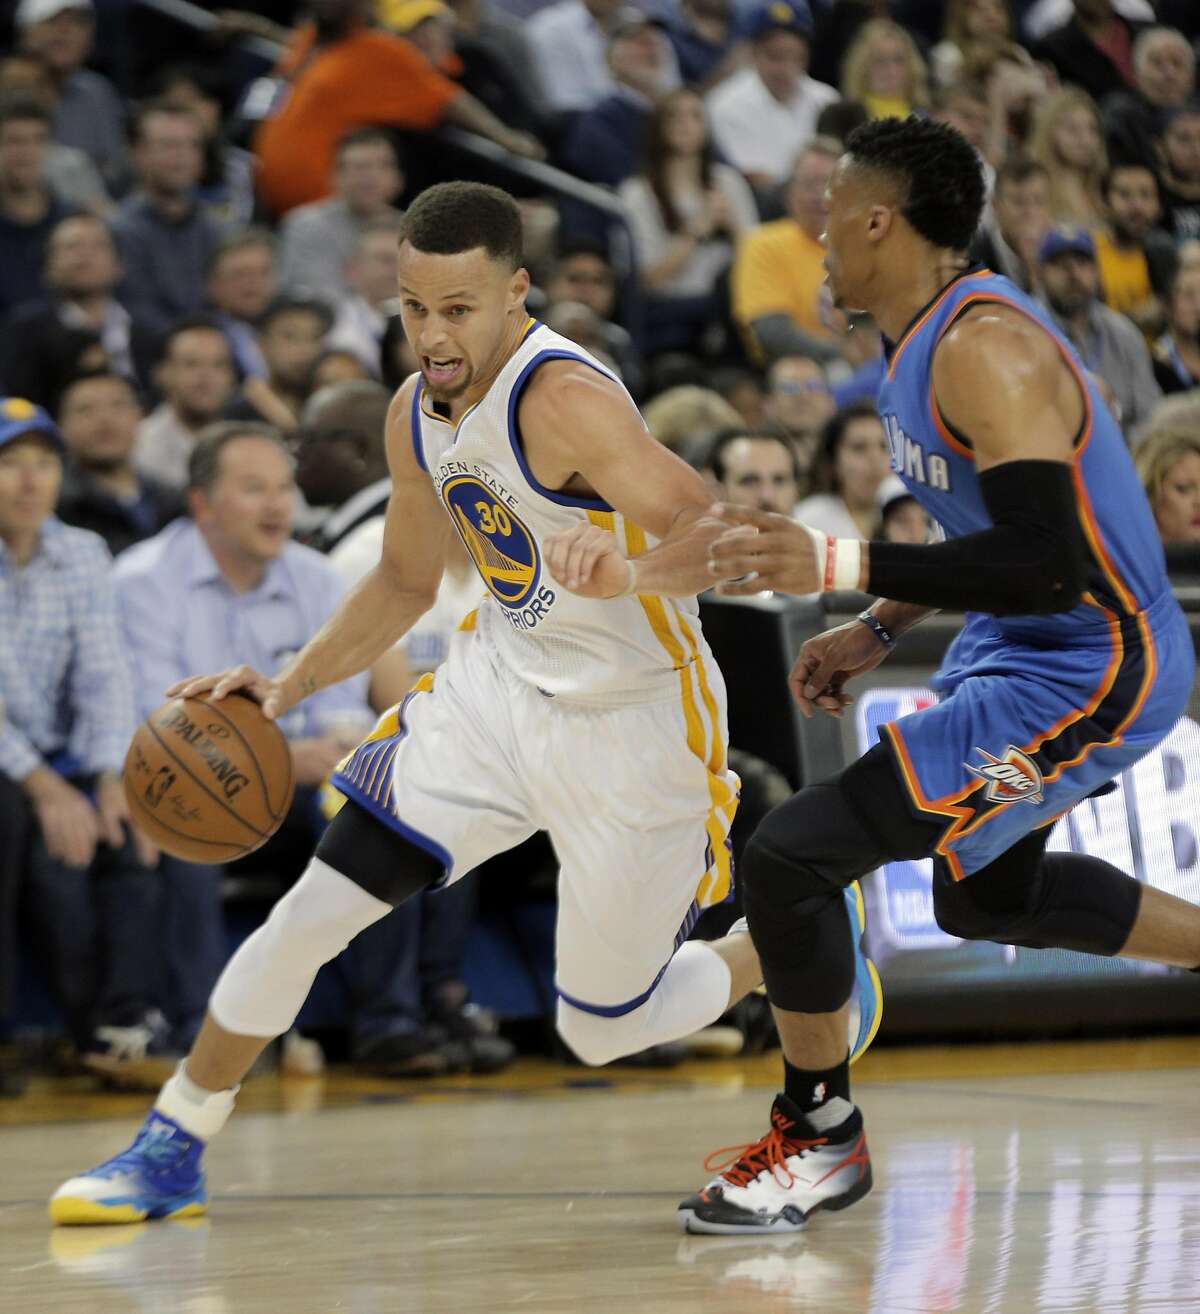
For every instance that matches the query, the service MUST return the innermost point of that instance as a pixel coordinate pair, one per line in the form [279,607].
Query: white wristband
[839,561]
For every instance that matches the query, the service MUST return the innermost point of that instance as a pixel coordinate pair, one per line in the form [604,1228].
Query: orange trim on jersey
[916,328]
[943,429]
[1091,530]
[469,620]
[1087,516]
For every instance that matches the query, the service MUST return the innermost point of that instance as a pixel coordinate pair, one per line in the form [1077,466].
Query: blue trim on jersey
[415,425]
[619,1010]
[514,435]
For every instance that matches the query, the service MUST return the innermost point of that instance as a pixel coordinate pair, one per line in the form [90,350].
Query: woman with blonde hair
[884,71]
[1168,464]
[1068,139]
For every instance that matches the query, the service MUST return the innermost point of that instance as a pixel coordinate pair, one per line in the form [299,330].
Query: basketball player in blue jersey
[1075,659]
[580,698]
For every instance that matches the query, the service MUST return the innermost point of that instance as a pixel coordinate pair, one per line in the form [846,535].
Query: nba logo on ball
[1013,778]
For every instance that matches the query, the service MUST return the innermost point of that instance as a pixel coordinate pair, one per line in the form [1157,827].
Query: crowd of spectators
[198,340]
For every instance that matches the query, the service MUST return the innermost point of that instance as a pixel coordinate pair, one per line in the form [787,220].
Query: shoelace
[162,1152]
[743,1163]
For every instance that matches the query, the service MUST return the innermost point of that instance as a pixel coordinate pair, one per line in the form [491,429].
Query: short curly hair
[461,216]
[937,170]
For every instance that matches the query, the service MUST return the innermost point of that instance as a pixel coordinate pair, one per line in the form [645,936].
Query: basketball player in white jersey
[580,698]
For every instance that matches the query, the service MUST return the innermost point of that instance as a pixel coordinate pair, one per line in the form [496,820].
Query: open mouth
[441,370]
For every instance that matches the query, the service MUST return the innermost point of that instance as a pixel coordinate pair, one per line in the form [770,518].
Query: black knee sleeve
[798,864]
[793,873]
[1040,901]
[375,857]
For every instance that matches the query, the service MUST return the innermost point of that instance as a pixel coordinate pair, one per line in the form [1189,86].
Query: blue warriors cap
[1065,239]
[19,417]
[779,15]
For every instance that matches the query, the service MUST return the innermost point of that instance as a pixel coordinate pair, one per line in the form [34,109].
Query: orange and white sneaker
[776,1183]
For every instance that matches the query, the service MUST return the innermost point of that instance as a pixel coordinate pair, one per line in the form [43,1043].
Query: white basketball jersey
[628,650]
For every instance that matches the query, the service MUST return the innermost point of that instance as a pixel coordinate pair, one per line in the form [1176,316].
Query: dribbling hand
[272,695]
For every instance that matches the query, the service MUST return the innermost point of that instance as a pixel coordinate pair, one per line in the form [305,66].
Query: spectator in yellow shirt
[1136,259]
[778,281]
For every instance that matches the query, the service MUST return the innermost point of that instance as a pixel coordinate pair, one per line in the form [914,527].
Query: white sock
[201,1112]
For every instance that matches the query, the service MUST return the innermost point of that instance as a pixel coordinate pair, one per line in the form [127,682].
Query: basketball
[208,782]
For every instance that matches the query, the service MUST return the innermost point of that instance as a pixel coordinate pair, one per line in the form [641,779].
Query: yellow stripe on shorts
[717,881]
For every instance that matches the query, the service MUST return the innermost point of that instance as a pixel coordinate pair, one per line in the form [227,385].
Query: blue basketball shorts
[1025,732]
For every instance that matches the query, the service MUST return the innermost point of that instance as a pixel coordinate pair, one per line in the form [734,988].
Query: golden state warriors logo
[503,550]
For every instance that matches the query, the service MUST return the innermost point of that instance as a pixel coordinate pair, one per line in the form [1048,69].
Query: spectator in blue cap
[764,114]
[1109,345]
[65,834]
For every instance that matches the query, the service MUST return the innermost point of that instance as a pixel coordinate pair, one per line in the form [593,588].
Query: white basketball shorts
[637,801]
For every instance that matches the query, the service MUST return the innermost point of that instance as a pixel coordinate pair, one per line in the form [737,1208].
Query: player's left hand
[586,559]
[772,551]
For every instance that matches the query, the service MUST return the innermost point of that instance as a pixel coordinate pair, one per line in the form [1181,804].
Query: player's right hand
[272,695]
[827,661]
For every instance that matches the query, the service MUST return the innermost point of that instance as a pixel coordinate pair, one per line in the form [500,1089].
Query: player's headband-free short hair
[936,170]
[463,216]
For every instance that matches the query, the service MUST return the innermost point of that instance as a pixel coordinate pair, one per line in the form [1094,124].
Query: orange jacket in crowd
[363,78]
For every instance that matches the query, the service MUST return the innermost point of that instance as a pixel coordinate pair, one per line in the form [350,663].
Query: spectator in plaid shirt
[68,717]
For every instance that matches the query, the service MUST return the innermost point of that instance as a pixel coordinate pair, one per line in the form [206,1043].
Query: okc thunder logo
[1013,778]
[503,550]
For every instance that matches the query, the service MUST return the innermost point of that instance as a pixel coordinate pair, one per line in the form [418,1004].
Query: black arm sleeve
[1033,560]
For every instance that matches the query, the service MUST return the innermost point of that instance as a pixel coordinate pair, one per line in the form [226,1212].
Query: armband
[839,561]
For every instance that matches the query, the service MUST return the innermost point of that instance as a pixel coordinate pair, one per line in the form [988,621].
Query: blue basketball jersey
[1036,712]
[936,464]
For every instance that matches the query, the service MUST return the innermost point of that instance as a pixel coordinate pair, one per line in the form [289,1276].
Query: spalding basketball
[209,782]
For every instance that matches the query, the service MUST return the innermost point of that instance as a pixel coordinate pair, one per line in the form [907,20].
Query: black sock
[808,1088]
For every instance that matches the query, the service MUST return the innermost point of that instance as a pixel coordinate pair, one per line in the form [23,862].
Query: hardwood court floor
[1009,1180]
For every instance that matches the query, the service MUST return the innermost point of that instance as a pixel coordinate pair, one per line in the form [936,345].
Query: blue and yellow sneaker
[866,1002]
[159,1176]
[866,999]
